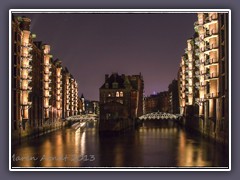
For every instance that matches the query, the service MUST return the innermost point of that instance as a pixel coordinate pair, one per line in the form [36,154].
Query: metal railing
[211,75]
[210,61]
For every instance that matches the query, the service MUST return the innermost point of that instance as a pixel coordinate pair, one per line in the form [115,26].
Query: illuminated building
[66,93]
[36,114]
[21,73]
[203,76]
[70,99]
[43,93]
[56,92]
[47,81]
[73,96]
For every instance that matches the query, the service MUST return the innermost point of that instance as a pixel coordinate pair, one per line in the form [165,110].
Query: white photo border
[26,11]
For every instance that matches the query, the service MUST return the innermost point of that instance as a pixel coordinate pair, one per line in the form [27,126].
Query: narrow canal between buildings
[148,145]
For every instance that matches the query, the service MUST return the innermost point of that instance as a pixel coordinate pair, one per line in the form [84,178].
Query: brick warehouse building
[123,92]
[37,85]
[204,77]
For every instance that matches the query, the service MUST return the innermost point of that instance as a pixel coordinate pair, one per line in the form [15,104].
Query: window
[115,85]
[106,85]
[117,94]
[121,94]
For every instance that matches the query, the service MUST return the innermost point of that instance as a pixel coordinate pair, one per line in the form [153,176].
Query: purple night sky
[92,45]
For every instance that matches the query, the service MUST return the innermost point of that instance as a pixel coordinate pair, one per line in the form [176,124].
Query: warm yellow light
[121,94]
[46,93]
[24,84]
[24,74]
[46,69]
[46,60]
[24,98]
[25,37]
[46,103]
[46,49]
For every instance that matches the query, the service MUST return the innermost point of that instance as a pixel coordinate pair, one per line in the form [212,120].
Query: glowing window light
[46,78]
[24,84]
[46,60]
[24,74]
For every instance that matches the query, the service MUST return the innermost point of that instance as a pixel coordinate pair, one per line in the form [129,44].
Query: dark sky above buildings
[92,45]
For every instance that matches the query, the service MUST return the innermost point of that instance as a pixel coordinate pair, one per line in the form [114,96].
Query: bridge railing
[82,117]
[159,115]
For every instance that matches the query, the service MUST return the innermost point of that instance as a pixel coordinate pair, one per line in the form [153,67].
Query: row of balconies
[197,63]
[48,88]
[26,55]
[27,88]
[210,20]
[189,69]
[200,73]
[188,50]
[46,79]
[47,72]
[211,95]
[206,21]
[29,58]
[28,45]
[210,61]
[28,68]
[210,47]
[209,76]
[210,33]
[59,76]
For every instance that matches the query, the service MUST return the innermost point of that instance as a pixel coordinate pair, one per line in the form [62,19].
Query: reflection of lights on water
[82,124]
[188,154]
[83,142]
[80,141]
[119,155]
[47,152]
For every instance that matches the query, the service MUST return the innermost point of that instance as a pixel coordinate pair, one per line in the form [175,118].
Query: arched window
[121,94]
[117,94]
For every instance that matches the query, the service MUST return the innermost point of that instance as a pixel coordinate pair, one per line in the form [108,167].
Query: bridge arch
[159,116]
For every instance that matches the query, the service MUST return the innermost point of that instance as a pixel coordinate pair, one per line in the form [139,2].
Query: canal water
[149,145]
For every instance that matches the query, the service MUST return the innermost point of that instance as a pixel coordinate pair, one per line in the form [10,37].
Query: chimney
[106,77]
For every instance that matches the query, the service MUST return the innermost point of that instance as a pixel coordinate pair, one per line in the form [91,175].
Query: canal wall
[204,127]
[115,126]
[31,133]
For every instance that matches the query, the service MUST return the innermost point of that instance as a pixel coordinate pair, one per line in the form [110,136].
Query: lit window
[121,94]
[117,94]
[109,94]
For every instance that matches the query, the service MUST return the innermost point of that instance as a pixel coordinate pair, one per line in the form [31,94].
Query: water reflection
[151,145]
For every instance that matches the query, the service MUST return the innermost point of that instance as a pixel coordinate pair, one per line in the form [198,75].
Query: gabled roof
[115,78]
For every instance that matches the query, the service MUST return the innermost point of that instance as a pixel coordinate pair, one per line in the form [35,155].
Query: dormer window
[121,94]
[106,85]
[115,85]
